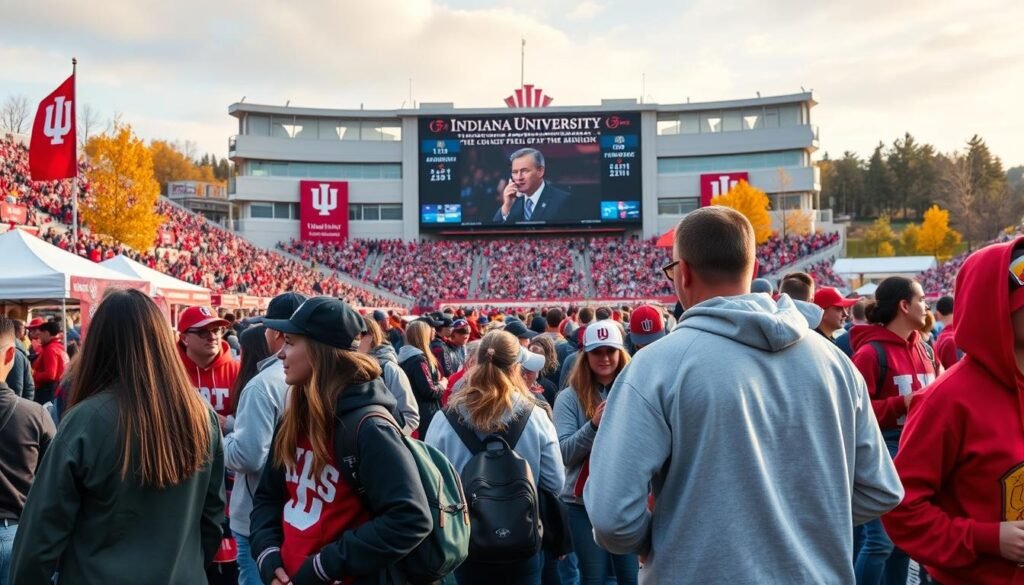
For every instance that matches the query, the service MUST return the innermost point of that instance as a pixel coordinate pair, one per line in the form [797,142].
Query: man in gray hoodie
[246,449]
[755,435]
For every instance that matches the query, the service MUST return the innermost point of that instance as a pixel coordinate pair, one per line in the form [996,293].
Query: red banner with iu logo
[323,211]
[715,184]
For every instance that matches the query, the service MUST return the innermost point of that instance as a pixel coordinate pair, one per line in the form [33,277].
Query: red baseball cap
[35,323]
[646,325]
[199,318]
[829,297]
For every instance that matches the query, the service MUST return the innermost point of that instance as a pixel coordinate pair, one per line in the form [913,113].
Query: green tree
[878,183]
[124,191]
[880,233]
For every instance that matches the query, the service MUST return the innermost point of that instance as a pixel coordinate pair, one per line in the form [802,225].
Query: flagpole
[74,180]
[522,63]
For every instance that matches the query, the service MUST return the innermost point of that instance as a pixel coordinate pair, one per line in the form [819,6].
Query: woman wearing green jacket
[131,489]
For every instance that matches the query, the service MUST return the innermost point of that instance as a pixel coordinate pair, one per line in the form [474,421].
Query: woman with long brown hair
[493,398]
[308,525]
[578,413]
[132,488]
[420,365]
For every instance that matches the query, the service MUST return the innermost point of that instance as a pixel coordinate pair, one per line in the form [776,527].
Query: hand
[508,197]
[280,577]
[599,414]
[1011,541]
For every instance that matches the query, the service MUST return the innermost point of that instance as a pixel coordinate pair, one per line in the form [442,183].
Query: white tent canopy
[173,290]
[867,290]
[870,268]
[36,270]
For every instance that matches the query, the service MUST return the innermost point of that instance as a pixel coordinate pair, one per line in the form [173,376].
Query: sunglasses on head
[1017,271]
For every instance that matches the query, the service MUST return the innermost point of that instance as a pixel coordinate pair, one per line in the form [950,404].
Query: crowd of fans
[629,268]
[202,253]
[532,269]
[824,274]
[779,252]
[939,281]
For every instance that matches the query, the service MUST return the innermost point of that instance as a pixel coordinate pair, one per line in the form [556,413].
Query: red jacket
[909,370]
[945,347]
[215,382]
[961,459]
[49,365]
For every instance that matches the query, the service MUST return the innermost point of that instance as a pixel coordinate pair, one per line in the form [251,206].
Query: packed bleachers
[629,268]
[778,252]
[532,269]
[203,253]
[939,281]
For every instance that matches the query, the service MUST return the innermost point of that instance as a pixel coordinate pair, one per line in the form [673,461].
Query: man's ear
[8,356]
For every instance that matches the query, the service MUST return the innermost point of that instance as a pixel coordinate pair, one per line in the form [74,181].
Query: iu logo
[647,325]
[58,124]
[528,97]
[602,334]
[325,199]
[723,185]
[205,312]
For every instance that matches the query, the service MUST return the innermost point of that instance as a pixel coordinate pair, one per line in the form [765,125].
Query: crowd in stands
[629,268]
[532,269]
[202,253]
[939,281]
[779,252]
[824,275]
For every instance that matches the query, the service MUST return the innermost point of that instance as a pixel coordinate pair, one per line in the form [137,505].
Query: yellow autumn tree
[753,204]
[909,238]
[798,222]
[880,233]
[124,192]
[886,250]
[936,237]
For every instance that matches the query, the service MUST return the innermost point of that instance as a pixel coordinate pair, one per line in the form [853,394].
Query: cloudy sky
[942,70]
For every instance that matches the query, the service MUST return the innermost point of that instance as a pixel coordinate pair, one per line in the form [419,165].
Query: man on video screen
[528,197]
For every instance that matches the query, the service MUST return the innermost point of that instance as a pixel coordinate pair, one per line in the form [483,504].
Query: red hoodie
[961,459]
[49,365]
[909,370]
[215,382]
[945,347]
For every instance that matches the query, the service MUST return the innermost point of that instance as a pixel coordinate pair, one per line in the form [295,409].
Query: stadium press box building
[441,171]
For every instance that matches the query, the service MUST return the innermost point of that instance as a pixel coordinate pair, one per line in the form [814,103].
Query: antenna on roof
[287,103]
[242,101]
[758,94]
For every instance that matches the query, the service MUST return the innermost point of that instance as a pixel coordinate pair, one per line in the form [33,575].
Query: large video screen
[527,170]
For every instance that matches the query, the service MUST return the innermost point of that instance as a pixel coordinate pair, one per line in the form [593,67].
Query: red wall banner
[12,212]
[323,211]
[89,293]
[715,184]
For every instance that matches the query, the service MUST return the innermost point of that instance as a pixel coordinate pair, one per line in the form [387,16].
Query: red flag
[53,152]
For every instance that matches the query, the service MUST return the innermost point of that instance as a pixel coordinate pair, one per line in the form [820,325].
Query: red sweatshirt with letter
[216,381]
[909,369]
[961,459]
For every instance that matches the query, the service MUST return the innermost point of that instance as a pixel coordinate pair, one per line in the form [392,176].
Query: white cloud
[586,10]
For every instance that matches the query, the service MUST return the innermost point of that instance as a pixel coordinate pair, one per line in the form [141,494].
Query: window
[753,120]
[668,126]
[689,123]
[258,125]
[348,171]
[731,121]
[391,212]
[771,117]
[677,205]
[282,210]
[261,211]
[374,212]
[789,115]
[710,123]
[731,162]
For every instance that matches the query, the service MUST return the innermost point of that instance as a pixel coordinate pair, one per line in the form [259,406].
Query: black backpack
[505,523]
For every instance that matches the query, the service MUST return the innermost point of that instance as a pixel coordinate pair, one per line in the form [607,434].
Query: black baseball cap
[281,307]
[518,328]
[323,319]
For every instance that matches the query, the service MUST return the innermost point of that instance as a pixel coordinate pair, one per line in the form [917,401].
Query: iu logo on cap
[602,333]
[205,312]
[647,325]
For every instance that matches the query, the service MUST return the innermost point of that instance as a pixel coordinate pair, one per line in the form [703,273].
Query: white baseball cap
[533,362]
[604,333]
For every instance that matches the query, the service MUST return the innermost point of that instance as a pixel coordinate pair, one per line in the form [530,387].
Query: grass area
[858,248]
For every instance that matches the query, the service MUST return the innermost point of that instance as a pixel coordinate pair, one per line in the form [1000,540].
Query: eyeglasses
[669,269]
[206,332]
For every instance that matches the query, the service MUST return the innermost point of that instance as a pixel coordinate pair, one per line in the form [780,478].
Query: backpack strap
[518,425]
[883,365]
[346,453]
[466,434]
[930,352]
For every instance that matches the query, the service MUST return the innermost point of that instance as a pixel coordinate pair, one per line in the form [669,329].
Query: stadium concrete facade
[770,139]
